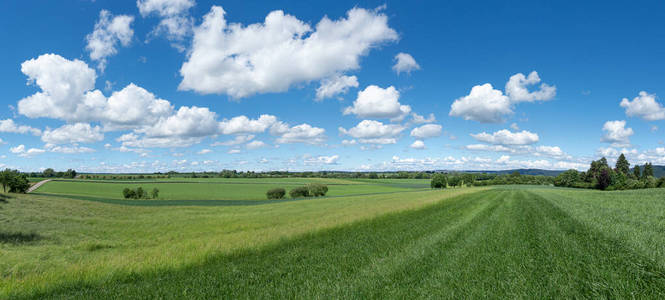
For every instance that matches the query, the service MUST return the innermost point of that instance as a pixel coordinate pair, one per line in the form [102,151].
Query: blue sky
[192,85]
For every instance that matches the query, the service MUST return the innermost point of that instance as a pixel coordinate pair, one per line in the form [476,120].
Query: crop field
[498,242]
[223,189]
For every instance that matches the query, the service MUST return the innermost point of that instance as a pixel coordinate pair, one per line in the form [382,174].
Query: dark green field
[500,242]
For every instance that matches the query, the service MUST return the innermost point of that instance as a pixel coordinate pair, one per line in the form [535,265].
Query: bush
[661,182]
[299,192]
[277,193]
[128,193]
[439,181]
[317,189]
[139,193]
[154,193]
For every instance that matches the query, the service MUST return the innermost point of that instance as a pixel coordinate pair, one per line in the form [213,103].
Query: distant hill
[658,171]
[528,172]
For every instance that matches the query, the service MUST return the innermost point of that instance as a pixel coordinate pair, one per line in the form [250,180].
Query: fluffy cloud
[186,122]
[303,133]
[175,20]
[616,133]
[404,62]
[374,132]
[132,140]
[426,131]
[133,106]
[255,145]
[644,106]
[553,151]
[65,86]
[338,84]
[326,160]
[244,125]
[239,139]
[204,151]
[418,119]
[376,102]
[68,149]
[488,105]
[20,151]
[73,133]
[484,104]
[418,144]
[9,126]
[108,32]
[282,51]
[67,94]
[516,88]
[506,137]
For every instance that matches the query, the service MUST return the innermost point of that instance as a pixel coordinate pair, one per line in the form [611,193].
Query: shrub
[317,189]
[439,181]
[661,182]
[128,193]
[301,191]
[277,193]
[154,193]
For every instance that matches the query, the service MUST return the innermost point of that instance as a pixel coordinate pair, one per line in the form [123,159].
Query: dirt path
[37,185]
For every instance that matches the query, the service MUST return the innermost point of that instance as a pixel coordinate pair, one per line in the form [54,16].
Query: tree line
[601,176]
[442,180]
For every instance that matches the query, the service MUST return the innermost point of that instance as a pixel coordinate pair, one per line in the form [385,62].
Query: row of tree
[601,176]
[139,193]
[441,180]
[50,173]
[310,190]
[14,181]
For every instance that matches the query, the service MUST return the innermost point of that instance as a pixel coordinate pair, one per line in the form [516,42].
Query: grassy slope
[82,241]
[508,242]
[219,190]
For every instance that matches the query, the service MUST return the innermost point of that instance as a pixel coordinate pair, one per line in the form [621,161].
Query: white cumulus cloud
[10,126]
[404,62]
[517,88]
[483,104]
[374,132]
[335,85]
[238,60]
[108,33]
[616,133]
[427,131]
[73,133]
[418,144]
[506,137]
[644,106]
[377,102]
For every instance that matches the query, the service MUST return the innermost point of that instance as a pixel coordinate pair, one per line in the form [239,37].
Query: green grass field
[498,242]
[224,189]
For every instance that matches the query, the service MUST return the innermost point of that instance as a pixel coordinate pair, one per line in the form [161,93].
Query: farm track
[37,185]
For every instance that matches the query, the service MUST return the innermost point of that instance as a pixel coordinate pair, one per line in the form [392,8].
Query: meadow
[503,241]
[223,188]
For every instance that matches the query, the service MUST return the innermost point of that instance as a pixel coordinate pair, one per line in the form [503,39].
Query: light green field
[496,242]
[224,189]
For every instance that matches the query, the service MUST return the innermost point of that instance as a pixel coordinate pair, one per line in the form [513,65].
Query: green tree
[5,178]
[623,165]
[439,181]
[636,172]
[154,193]
[49,172]
[648,171]
[567,178]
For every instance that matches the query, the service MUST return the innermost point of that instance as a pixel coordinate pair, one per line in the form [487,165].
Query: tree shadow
[18,238]
[4,198]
